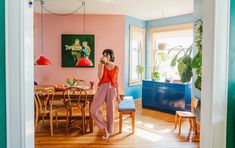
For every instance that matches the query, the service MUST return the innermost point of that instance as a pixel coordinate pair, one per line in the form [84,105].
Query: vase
[92,85]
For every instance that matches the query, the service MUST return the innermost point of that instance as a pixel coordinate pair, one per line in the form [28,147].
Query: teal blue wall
[134,91]
[2,77]
[231,81]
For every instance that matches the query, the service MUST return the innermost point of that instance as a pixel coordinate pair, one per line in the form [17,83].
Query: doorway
[19,70]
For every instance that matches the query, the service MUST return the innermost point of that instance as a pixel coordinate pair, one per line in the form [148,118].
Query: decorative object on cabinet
[165,96]
[155,75]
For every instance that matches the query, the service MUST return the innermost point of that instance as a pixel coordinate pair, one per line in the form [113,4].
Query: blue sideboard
[166,96]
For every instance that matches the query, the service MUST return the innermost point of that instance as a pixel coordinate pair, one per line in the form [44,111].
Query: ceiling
[142,9]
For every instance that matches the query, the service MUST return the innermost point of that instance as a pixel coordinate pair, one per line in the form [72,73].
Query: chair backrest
[194,103]
[75,95]
[44,99]
[36,105]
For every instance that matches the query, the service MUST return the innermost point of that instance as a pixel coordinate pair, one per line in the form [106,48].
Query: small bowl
[59,87]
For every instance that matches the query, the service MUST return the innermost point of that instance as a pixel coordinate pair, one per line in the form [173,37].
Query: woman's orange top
[109,76]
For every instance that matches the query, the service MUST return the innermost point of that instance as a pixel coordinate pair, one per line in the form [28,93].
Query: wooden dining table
[58,94]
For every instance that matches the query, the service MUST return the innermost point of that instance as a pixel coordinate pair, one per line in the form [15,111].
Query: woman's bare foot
[106,136]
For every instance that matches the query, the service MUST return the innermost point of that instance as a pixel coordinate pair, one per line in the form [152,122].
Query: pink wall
[109,31]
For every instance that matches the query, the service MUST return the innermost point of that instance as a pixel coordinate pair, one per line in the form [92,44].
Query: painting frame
[78,50]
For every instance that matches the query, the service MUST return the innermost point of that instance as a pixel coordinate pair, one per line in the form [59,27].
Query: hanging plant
[196,62]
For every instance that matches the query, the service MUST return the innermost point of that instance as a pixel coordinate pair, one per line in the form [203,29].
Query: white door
[19,74]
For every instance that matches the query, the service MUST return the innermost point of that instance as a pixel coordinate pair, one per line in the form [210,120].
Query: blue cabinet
[165,96]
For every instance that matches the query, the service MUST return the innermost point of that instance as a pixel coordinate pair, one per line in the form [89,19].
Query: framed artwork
[78,50]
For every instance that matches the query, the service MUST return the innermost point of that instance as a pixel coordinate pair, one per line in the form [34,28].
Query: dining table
[58,94]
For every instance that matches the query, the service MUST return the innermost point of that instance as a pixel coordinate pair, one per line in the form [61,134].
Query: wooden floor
[153,130]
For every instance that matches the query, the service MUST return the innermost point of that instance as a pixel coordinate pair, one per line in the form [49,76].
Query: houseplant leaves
[185,69]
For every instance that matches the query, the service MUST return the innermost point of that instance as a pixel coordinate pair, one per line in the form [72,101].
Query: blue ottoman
[127,107]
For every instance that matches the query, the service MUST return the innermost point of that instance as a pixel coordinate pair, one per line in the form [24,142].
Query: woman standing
[107,93]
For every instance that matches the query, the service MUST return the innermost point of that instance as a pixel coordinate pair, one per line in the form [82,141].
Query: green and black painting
[78,50]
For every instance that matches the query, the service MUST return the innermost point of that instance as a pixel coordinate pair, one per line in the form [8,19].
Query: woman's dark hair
[109,52]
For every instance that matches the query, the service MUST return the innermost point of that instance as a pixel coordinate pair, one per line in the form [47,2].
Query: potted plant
[186,63]
[139,70]
[71,82]
[155,74]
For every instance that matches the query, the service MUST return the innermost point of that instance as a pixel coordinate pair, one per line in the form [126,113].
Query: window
[162,40]
[137,53]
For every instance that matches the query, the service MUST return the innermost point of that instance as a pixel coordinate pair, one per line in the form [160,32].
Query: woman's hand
[119,99]
[103,60]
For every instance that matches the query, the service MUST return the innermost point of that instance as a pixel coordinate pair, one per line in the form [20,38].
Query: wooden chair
[36,112]
[75,98]
[44,107]
[187,115]
[127,106]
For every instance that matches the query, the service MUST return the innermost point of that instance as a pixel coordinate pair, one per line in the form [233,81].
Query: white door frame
[20,69]
[19,74]
[216,16]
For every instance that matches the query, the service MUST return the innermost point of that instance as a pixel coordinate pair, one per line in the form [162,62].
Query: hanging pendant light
[42,60]
[162,46]
[84,61]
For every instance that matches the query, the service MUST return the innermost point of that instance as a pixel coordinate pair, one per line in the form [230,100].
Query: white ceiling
[143,9]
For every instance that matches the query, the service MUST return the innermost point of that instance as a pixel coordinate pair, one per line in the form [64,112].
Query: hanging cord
[42,42]
[73,12]
[84,18]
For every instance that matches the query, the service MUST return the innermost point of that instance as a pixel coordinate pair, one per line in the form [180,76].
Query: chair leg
[133,122]
[179,125]
[67,122]
[70,116]
[43,118]
[190,122]
[120,122]
[36,120]
[56,116]
[176,120]
[51,123]
[83,122]
[195,125]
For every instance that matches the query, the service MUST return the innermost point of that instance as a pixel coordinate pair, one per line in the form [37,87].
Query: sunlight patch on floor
[148,135]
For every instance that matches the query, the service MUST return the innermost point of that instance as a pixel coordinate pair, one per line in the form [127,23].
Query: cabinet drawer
[148,99]
[152,84]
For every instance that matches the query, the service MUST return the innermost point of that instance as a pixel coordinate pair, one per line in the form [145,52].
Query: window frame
[163,29]
[133,29]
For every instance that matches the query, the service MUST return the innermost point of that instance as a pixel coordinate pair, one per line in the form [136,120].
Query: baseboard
[138,101]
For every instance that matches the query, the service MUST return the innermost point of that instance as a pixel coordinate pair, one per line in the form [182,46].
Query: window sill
[135,83]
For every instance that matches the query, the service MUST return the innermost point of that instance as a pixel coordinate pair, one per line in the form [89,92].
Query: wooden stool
[127,106]
[187,115]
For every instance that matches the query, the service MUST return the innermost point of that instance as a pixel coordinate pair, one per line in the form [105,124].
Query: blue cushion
[127,104]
